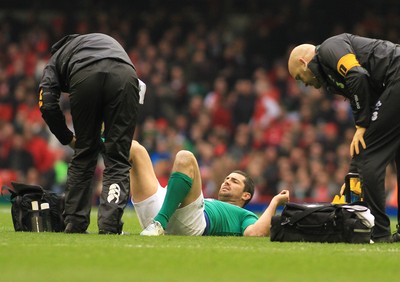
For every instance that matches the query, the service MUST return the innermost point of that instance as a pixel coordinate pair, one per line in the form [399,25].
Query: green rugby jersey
[225,219]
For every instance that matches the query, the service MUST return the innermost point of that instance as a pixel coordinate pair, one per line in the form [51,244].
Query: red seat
[6,112]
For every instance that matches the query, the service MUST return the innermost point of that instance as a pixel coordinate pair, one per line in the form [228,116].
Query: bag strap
[299,216]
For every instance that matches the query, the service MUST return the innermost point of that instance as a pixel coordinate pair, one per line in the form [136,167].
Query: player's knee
[135,150]
[184,158]
[135,145]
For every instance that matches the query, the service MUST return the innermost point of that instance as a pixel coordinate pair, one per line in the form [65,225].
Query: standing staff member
[367,72]
[103,87]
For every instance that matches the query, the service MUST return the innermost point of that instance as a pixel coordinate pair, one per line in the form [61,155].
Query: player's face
[231,189]
[307,77]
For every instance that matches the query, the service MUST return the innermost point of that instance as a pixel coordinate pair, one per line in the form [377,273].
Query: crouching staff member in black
[366,72]
[103,87]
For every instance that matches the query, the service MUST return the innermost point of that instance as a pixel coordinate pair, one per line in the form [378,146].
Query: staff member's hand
[357,139]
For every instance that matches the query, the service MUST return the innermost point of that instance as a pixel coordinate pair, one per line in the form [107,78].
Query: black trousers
[382,138]
[106,91]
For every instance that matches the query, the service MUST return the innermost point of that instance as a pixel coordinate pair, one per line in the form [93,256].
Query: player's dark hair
[248,184]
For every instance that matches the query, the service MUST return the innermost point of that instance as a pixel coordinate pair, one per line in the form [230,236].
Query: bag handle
[347,189]
[11,191]
[294,219]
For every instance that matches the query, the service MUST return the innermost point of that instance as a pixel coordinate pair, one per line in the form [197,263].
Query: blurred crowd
[217,85]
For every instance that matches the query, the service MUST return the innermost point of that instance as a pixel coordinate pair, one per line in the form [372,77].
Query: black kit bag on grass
[48,215]
[325,223]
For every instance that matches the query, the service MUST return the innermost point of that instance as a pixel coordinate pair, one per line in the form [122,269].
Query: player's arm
[49,98]
[263,224]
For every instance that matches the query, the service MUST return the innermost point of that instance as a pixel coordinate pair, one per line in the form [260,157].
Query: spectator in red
[43,157]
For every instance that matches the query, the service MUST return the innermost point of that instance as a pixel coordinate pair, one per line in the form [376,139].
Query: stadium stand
[217,84]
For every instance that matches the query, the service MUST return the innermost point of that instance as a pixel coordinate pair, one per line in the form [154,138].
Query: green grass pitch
[91,257]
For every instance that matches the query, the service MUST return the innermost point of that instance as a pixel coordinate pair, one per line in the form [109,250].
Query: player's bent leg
[143,181]
[147,209]
[179,191]
[186,163]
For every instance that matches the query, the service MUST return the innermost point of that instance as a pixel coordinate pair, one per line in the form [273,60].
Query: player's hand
[357,139]
[282,197]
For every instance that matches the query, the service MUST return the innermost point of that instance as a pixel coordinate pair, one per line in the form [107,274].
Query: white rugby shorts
[188,220]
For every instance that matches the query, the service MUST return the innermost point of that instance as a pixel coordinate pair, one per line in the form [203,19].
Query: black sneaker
[106,232]
[383,239]
[396,237]
[70,228]
[115,231]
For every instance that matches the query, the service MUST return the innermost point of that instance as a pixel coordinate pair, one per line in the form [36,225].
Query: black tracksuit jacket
[69,55]
[366,72]
[103,88]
